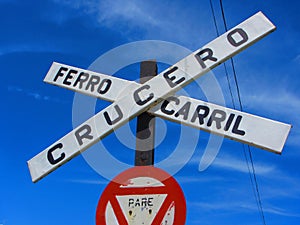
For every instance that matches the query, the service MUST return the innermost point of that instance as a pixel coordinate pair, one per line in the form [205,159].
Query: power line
[253,180]
[231,59]
[224,64]
[257,195]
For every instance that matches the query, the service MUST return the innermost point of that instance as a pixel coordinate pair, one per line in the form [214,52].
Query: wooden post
[145,130]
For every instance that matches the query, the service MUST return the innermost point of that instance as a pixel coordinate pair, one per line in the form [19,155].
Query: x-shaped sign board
[157,97]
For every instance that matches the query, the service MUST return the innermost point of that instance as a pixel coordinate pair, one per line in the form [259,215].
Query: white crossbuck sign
[157,97]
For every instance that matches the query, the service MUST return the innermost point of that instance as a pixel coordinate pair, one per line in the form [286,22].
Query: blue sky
[35,114]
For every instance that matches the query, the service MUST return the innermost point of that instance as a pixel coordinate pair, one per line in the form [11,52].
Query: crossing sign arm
[140,99]
[87,82]
[233,124]
[243,127]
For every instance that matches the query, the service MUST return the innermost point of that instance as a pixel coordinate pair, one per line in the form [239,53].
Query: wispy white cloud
[88,181]
[273,177]
[275,210]
[238,206]
[280,211]
[239,165]
[109,13]
[198,179]
[281,185]
[133,12]
[233,206]
[228,162]
[297,59]
[34,94]
[147,17]
[279,102]
[28,48]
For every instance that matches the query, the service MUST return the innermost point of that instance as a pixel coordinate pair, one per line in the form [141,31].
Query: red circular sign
[142,195]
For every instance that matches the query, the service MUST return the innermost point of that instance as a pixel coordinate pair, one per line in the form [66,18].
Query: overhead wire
[224,64]
[251,168]
[256,191]
[231,59]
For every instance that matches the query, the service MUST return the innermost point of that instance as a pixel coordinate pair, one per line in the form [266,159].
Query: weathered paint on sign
[142,195]
[141,98]
[243,127]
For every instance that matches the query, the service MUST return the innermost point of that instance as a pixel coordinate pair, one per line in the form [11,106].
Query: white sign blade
[150,93]
[257,131]
[239,126]
[86,82]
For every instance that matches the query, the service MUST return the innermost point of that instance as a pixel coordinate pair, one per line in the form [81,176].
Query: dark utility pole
[145,130]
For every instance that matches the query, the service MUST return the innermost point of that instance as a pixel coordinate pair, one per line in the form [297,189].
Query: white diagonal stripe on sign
[152,92]
[239,126]
[259,132]
[104,86]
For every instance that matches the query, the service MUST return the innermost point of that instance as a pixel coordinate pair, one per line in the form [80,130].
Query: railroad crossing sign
[240,126]
[156,96]
[142,195]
